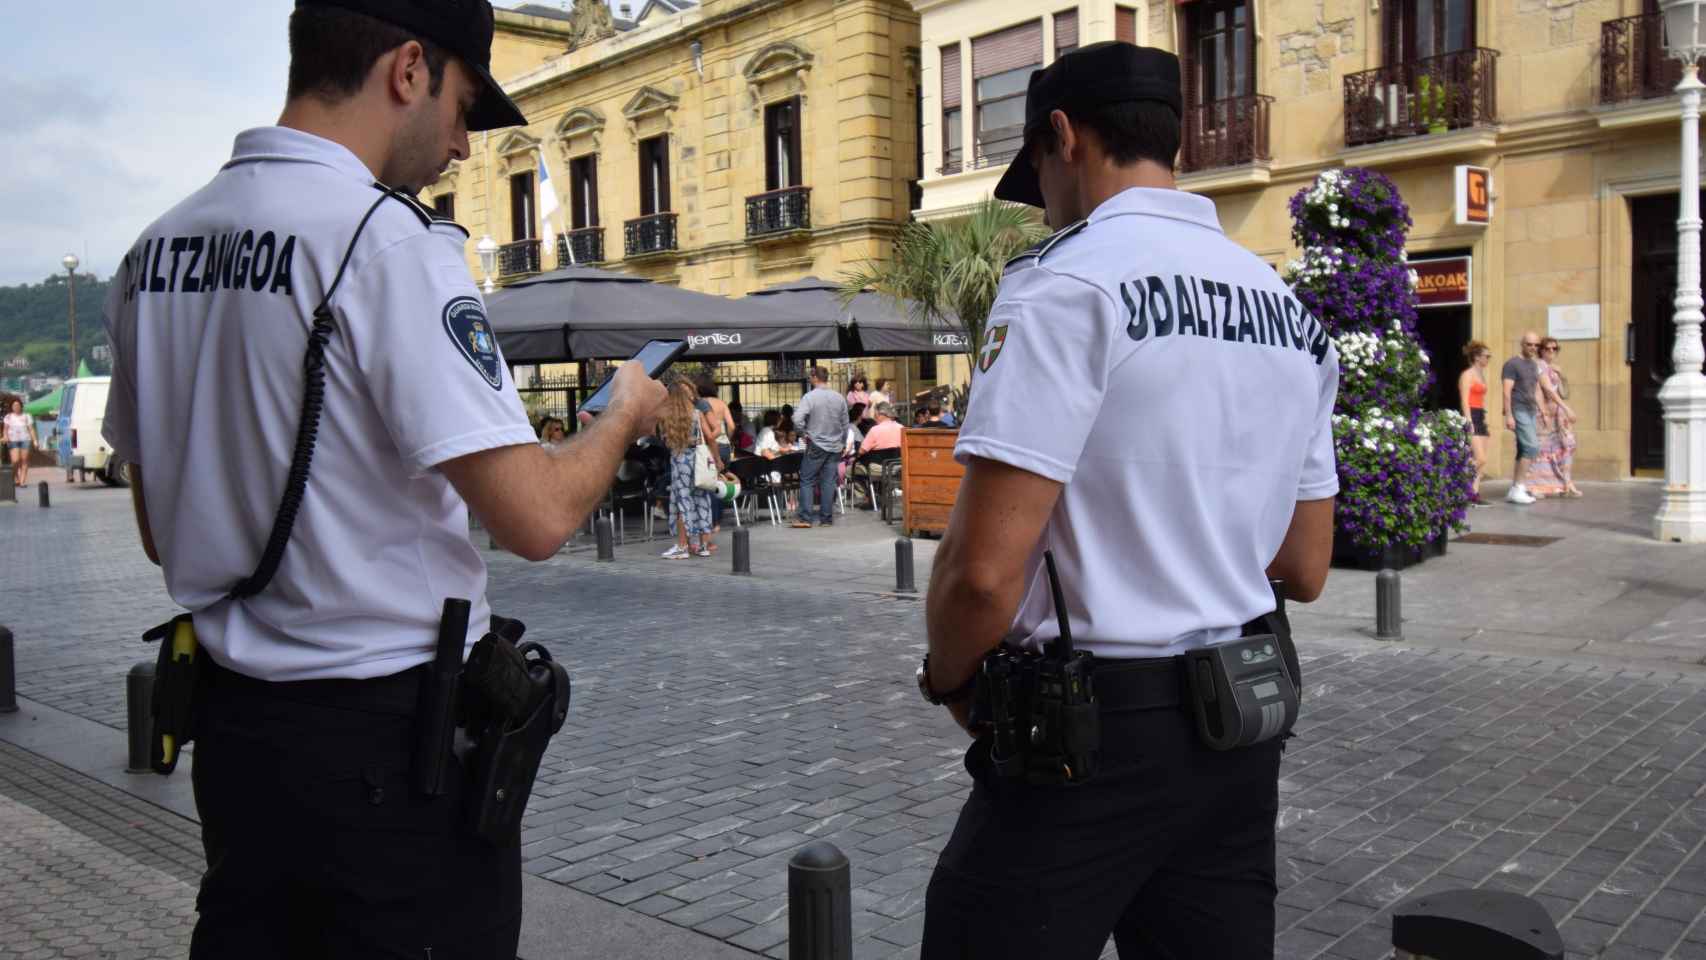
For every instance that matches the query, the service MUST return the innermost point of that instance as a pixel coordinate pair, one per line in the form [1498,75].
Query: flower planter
[929,478]
[1393,557]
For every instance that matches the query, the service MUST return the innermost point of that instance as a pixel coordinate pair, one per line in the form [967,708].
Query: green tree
[951,269]
[33,321]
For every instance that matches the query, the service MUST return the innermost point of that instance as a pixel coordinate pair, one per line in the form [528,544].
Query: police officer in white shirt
[1153,407]
[316,845]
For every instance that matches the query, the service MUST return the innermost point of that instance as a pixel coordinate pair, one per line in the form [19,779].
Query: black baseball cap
[462,27]
[1101,73]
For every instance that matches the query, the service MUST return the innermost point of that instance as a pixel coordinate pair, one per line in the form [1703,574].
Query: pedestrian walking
[20,440]
[689,507]
[1164,837]
[1551,473]
[304,276]
[718,425]
[822,419]
[1520,378]
[1472,395]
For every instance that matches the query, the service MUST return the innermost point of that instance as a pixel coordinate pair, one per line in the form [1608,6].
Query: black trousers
[1170,849]
[317,846]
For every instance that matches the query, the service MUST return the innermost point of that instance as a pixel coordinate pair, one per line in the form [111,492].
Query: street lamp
[1682,513]
[70,261]
[488,250]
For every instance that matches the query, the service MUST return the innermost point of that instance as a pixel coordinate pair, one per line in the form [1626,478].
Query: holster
[173,699]
[513,699]
[1042,715]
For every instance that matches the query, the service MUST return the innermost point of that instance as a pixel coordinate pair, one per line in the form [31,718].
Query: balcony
[1433,95]
[1632,61]
[648,235]
[580,247]
[779,212]
[1226,133]
[518,258]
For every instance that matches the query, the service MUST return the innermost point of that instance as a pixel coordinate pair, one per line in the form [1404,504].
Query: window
[1001,70]
[1125,24]
[1220,59]
[953,127]
[583,192]
[654,176]
[445,205]
[521,207]
[1065,32]
[1418,29]
[782,145]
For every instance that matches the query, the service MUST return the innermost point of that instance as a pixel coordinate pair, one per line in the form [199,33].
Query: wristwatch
[963,692]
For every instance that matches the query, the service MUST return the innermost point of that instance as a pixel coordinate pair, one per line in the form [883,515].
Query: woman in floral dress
[689,507]
[1549,475]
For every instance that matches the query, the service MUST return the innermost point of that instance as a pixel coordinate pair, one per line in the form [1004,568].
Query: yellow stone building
[724,146]
[1566,102]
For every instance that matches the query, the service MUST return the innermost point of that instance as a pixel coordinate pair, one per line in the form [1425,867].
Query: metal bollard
[1388,620]
[820,904]
[1471,924]
[8,674]
[8,485]
[903,580]
[606,539]
[139,709]
[42,487]
[743,551]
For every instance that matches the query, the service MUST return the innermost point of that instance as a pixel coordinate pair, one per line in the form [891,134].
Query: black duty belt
[396,694]
[1146,683]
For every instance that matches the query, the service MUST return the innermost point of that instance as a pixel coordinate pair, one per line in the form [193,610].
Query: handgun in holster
[173,699]
[513,699]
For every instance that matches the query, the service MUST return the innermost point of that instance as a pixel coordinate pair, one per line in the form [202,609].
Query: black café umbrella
[881,325]
[583,313]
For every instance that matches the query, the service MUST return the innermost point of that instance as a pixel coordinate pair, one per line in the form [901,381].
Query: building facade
[1566,103]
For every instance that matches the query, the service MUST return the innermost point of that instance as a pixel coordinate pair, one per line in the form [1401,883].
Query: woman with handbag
[693,474]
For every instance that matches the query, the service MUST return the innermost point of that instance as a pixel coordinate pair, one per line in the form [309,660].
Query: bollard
[42,488]
[1473,924]
[8,674]
[8,485]
[139,708]
[743,551]
[1388,620]
[820,904]
[606,539]
[903,581]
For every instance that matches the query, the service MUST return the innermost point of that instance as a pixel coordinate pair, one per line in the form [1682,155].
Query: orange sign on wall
[1442,282]
[1474,187]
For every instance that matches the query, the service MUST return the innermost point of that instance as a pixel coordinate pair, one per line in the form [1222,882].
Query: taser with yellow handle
[174,692]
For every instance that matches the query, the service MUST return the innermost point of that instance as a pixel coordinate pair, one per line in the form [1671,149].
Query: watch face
[923,678]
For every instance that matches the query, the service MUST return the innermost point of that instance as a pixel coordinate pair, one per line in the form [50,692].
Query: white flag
[547,202]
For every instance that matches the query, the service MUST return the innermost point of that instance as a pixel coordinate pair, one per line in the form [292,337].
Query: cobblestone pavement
[720,722]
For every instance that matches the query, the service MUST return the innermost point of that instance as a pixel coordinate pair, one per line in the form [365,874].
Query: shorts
[1478,422]
[1527,439]
[17,444]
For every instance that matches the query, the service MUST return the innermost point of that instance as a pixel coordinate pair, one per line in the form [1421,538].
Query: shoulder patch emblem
[993,340]
[465,322]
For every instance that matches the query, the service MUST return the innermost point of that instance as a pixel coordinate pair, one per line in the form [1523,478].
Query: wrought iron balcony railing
[1632,60]
[1431,95]
[580,247]
[779,211]
[515,259]
[653,234]
[1226,133]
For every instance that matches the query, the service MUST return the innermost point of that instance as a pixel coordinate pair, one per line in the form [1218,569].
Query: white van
[81,447]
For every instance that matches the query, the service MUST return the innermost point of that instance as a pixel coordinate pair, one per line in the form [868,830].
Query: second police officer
[317,843]
[1154,408]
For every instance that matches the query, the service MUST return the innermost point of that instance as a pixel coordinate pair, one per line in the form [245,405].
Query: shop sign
[1442,282]
[1576,321]
[1474,188]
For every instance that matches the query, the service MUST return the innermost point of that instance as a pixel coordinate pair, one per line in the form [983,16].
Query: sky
[114,110]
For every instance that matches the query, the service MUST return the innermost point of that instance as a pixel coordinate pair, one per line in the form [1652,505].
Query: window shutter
[1065,31]
[646,178]
[950,77]
[1011,49]
[797,176]
[772,119]
[1125,24]
[592,191]
[663,174]
[1189,70]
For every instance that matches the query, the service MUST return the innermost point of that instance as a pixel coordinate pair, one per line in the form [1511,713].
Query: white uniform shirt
[1170,380]
[208,320]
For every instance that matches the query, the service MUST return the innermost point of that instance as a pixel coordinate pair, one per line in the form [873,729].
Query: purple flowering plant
[1405,473]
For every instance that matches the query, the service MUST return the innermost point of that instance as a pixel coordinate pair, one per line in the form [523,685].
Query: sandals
[801,525]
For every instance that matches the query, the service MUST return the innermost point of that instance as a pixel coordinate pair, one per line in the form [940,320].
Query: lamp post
[70,261]
[1682,513]
[488,250]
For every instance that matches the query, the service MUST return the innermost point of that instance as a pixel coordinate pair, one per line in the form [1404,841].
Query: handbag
[704,473]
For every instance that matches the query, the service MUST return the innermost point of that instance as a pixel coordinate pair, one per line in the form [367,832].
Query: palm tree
[951,268]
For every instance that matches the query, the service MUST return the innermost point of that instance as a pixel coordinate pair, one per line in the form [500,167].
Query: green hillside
[34,324]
